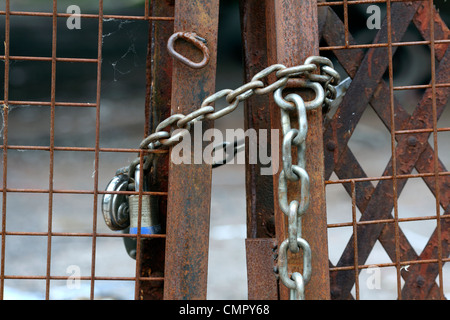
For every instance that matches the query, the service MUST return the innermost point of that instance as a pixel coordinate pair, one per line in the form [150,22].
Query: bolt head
[412,141]
[331,145]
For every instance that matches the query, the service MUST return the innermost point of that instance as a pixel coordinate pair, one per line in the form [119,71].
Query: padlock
[121,212]
[115,206]
[149,209]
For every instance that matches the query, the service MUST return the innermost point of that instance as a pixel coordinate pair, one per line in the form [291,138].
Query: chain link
[304,76]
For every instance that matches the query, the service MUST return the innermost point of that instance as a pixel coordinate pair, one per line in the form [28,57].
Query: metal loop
[288,141]
[169,121]
[175,137]
[319,60]
[132,167]
[331,92]
[266,72]
[197,114]
[281,102]
[148,161]
[171,138]
[321,78]
[332,73]
[320,96]
[287,154]
[228,109]
[299,139]
[244,91]
[296,71]
[285,121]
[299,292]
[293,225]
[196,41]
[156,136]
[283,263]
[280,83]
[304,189]
[219,114]
[216,96]
[302,117]
[289,106]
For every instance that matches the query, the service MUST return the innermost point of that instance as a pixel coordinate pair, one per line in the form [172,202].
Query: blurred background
[122,126]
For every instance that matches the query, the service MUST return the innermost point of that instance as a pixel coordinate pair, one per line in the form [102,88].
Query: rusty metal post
[260,245]
[292,37]
[189,194]
[158,94]
[259,188]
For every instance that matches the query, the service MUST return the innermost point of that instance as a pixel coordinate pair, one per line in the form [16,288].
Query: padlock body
[149,214]
[112,202]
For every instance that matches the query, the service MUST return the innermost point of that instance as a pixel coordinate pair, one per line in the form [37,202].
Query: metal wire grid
[352,183]
[96,191]
[404,131]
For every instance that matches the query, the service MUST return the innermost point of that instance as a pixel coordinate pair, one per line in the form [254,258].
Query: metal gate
[355,209]
[411,148]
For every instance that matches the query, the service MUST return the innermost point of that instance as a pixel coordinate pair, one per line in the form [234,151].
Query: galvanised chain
[303,76]
[293,137]
[323,84]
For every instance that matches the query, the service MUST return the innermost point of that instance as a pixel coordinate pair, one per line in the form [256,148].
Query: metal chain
[303,76]
[323,84]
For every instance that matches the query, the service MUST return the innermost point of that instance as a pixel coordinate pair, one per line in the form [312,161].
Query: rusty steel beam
[422,22]
[157,108]
[262,284]
[260,245]
[292,29]
[189,194]
[259,188]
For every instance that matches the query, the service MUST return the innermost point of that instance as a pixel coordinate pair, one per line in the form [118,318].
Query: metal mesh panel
[369,220]
[370,207]
[50,197]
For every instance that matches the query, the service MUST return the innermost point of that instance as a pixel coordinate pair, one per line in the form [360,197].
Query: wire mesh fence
[55,165]
[395,228]
[386,146]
